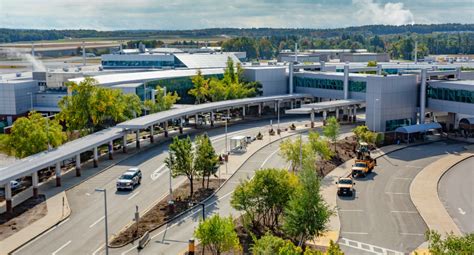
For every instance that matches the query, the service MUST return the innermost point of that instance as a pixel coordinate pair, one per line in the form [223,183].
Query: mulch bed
[345,151]
[159,214]
[23,215]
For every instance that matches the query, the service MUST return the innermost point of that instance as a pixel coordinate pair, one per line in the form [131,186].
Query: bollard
[191,247]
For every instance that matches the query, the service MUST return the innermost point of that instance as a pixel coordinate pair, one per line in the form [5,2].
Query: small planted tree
[270,244]
[217,234]
[181,160]
[332,130]
[206,159]
[452,244]
[307,214]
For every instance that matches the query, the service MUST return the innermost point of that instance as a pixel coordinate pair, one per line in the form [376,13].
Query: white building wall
[273,79]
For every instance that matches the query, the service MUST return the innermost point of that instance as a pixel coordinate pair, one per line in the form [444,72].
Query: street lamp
[106,227]
[278,118]
[225,150]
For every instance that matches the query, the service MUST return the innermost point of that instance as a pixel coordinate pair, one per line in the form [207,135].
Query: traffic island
[160,214]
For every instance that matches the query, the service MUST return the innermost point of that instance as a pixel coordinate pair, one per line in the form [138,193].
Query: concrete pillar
[291,85]
[124,143]
[8,197]
[111,150]
[228,115]
[137,138]
[276,107]
[337,113]
[181,120]
[292,104]
[423,96]
[78,165]
[346,81]
[196,118]
[35,181]
[58,174]
[322,66]
[379,69]
[165,127]
[312,118]
[152,134]
[212,119]
[458,73]
[354,114]
[96,157]
[243,112]
[260,106]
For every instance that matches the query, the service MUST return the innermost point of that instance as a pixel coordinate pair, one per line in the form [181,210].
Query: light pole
[225,150]
[301,151]
[106,227]
[278,118]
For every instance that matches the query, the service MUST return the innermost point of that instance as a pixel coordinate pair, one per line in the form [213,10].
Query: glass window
[455,95]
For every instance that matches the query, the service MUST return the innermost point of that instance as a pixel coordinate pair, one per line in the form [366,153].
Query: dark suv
[130,179]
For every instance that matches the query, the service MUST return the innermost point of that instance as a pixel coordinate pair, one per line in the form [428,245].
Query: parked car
[130,179]
[249,139]
[15,184]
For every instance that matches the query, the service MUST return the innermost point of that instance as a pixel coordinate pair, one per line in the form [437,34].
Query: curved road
[381,217]
[456,191]
[83,232]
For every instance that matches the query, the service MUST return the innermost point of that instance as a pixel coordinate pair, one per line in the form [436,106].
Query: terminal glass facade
[455,95]
[391,125]
[137,64]
[307,82]
[358,86]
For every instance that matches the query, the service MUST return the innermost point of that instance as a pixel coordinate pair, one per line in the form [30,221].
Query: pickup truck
[362,167]
[345,186]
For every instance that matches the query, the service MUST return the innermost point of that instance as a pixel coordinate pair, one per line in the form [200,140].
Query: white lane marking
[355,233]
[97,221]
[351,210]
[64,221]
[412,234]
[372,248]
[134,195]
[98,249]
[397,193]
[403,211]
[268,158]
[158,172]
[461,211]
[62,247]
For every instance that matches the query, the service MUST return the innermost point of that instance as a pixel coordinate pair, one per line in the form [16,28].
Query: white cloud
[370,12]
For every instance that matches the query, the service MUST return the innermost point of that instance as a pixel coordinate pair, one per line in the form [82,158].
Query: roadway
[381,217]
[83,232]
[456,191]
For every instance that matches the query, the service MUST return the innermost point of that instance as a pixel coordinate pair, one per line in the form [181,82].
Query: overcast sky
[196,14]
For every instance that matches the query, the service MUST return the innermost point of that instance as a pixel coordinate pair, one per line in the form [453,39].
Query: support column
[196,118]
[243,112]
[212,119]
[260,110]
[96,157]
[276,107]
[346,81]
[78,165]
[8,197]
[379,69]
[58,174]
[165,127]
[111,150]
[152,134]
[458,73]
[35,180]
[290,72]
[228,115]
[124,143]
[325,115]
[423,96]
[337,113]
[312,118]
[137,138]
[354,114]
[181,120]
[292,104]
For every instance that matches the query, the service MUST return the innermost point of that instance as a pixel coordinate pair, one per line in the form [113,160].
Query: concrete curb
[296,132]
[424,194]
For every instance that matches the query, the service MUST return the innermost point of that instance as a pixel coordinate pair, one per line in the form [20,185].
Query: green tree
[200,89]
[32,134]
[451,245]
[319,146]
[307,214]
[206,159]
[295,151]
[334,249]
[270,244]
[332,130]
[162,102]
[218,234]
[180,160]
[264,198]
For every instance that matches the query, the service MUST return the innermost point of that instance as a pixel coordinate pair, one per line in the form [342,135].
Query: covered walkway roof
[148,120]
[324,106]
[29,165]
[419,128]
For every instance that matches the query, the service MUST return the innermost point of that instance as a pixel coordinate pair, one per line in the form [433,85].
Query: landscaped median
[425,197]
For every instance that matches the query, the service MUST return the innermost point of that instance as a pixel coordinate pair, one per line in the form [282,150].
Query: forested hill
[17,35]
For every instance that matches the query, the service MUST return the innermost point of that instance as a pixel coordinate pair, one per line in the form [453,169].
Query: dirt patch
[345,151]
[23,215]
[160,213]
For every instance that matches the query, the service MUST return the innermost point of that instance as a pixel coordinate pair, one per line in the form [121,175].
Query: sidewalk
[58,210]
[329,193]
[425,197]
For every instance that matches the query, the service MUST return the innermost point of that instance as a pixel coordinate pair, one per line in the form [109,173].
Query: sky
[198,14]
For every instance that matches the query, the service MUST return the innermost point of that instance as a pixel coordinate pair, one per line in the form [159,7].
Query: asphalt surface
[456,191]
[381,218]
[83,232]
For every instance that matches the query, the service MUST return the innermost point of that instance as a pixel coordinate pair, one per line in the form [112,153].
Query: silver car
[130,179]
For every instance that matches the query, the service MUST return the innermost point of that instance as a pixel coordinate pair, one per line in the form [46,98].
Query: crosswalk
[368,248]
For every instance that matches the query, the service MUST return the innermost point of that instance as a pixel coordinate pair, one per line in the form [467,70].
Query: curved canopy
[419,128]
[469,121]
